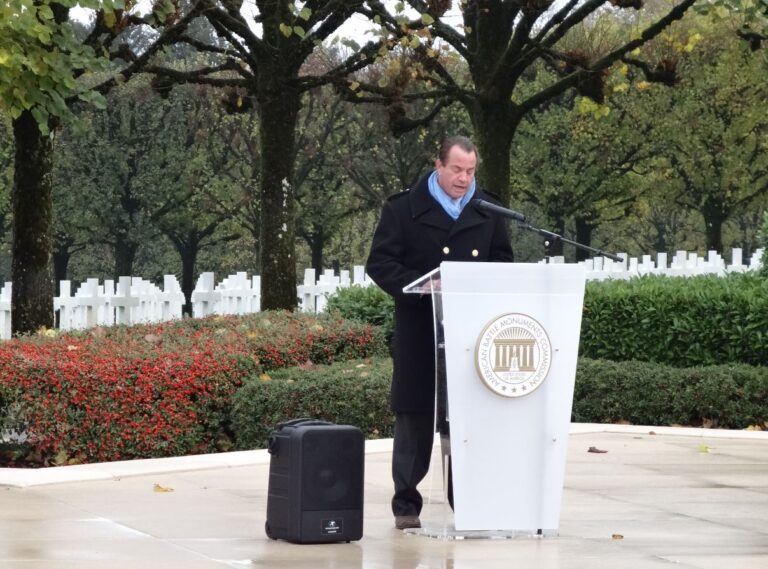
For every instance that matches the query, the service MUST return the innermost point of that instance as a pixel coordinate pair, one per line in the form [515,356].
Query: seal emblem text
[513,355]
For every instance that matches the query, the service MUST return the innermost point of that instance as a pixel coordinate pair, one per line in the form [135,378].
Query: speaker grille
[332,470]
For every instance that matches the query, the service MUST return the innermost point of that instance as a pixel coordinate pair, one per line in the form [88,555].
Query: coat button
[475,253]
[446,250]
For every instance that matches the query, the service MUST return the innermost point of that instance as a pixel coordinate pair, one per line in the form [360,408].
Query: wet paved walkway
[684,498]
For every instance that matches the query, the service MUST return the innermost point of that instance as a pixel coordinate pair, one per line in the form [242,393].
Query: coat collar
[425,209]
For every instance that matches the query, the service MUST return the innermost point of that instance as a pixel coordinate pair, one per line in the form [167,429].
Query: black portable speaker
[315,492]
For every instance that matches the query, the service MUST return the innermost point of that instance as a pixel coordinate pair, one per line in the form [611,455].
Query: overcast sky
[354,28]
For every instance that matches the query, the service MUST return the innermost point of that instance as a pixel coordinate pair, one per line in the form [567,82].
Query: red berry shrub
[154,390]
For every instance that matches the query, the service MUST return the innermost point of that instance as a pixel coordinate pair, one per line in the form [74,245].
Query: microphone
[489,207]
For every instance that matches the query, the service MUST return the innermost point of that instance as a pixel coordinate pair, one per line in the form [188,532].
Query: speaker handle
[302,421]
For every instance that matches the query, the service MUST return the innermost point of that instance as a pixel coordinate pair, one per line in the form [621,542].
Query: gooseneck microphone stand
[553,237]
[522,221]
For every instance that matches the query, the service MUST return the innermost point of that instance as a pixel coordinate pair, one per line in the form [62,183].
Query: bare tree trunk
[317,255]
[62,253]
[61,259]
[188,262]
[316,242]
[660,240]
[494,125]
[125,255]
[555,248]
[32,296]
[713,230]
[584,231]
[188,247]
[278,110]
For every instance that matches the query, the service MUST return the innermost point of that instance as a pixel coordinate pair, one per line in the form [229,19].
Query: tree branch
[572,79]
[227,26]
[202,75]
[137,65]
[354,62]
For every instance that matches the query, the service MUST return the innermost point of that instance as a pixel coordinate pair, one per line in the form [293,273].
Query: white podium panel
[511,343]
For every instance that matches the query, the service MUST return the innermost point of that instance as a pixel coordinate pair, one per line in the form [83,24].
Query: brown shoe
[405,522]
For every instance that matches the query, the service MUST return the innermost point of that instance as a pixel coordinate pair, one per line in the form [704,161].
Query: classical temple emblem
[513,355]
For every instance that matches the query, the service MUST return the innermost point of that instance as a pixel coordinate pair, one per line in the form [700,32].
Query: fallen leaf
[703,448]
[617,536]
[596,450]
[264,377]
[159,488]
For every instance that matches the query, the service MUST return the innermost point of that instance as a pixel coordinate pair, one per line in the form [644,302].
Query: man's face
[456,174]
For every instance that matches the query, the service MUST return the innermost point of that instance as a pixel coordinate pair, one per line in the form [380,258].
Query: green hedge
[368,304]
[678,321]
[350,393]
[642,393]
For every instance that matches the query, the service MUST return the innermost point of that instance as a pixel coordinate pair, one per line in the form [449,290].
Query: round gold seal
[513,355]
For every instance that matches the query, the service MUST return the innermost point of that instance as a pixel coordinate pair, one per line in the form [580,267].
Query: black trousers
[411,454]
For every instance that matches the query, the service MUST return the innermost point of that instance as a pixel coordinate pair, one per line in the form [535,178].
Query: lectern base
[450,533]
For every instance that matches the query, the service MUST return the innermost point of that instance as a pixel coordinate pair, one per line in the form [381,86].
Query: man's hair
[462,142]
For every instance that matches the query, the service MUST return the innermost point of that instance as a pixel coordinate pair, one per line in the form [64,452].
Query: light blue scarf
[452,207]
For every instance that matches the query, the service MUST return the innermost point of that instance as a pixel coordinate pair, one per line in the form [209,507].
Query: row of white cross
[683,264]
[133,300]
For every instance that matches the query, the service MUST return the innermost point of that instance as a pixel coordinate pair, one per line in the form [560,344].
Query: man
[418,229]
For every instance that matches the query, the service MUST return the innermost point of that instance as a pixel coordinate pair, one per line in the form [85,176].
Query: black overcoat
[414,236]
